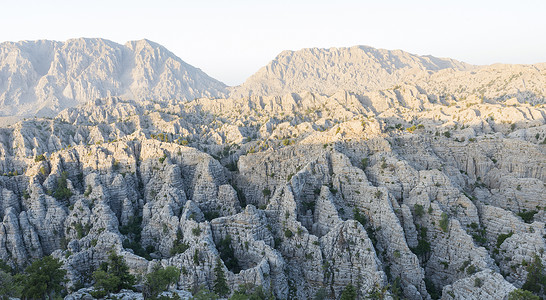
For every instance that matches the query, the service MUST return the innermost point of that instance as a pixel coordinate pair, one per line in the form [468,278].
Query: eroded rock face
[482,285]
[397,192]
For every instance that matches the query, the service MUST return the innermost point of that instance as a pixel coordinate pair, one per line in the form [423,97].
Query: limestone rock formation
[43,77]
[406,192]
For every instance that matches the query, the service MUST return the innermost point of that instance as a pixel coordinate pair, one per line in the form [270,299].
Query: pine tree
[118,267]
[9,285]
[348,293]
[159,280]
[220,285]
[536,277]
[44,278]
[112,276]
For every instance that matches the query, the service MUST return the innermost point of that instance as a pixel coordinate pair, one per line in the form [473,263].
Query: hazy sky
[230,40]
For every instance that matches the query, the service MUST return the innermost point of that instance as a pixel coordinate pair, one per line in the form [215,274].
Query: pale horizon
[231,41]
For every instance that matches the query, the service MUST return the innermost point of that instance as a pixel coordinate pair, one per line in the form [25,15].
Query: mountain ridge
[43,77]
[325,70]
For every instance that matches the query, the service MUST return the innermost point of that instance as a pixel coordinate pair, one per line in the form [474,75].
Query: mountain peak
[142,43]
[47,76]
[326,70]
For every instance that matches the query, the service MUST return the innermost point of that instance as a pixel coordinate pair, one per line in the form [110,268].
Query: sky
[231,40]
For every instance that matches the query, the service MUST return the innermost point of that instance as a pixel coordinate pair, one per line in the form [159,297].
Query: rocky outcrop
[482,285]
[397,192]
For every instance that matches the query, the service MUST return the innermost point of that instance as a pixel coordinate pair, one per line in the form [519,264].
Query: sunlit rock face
[404,190]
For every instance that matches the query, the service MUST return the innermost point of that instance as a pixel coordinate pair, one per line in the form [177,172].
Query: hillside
[43,77]
[428,189]
[357,69]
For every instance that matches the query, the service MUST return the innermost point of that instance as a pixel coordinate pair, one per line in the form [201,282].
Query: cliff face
[308,193]
[400,192]
[44,77]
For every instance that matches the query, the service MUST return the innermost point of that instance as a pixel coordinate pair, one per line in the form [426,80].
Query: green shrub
[502,237]
[527,216]
[444,222]
[137,248]
[179,247]
[349,293]
[159,280]
[227,254]
[288,233]
[536,277]
[432,289]
[250,292]
[471,270]
[196,231]
[465,264]
[320,294]
[196,257]
[62,192]
[133,231]
[39,158]
[309,205]
[422,248]
[211,215]
[232,166]
[113,275]
[44,277]
[81,230]
[10,286]
[419,210]
[88,191]
[364,163]
[359,217]
[519,294]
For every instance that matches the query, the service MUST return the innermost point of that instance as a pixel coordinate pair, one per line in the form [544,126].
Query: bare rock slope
[44,77]
[365,70]
[325,71]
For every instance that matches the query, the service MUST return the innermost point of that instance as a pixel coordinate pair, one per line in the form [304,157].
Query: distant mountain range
[362,70]
[44,77]
[357,69]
